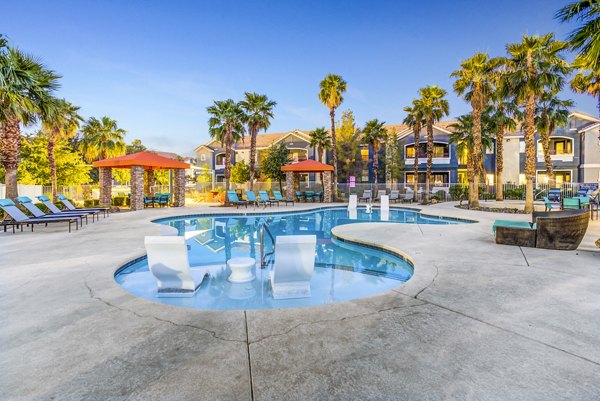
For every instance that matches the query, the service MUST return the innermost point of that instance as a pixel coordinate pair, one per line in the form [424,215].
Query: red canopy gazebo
[138,162]
[308,166]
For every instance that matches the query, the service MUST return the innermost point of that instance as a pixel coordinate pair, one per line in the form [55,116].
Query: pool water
[343,271]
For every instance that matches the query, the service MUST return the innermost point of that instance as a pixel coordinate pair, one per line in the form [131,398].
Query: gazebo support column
[289,185]
[179,187]
[150,182]
[105,176]
[327,195]
[137,188]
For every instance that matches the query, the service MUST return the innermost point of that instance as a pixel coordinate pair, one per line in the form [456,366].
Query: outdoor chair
[554,194]
[162,199]
[254,200]
[310,196]
[299,196]
[19,219]
[367,195]
[582,192]
[148,201]
[380,193]
[571,203]
[168,262]
[394,196]
[548,204]
[319,196]
[294,266]
[280,198]
[353,201]
[233,199]
[28,204]
[55,210]
[264,196]
[384,209]
[67,203]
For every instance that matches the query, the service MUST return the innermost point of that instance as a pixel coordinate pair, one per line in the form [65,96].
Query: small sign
[352,181]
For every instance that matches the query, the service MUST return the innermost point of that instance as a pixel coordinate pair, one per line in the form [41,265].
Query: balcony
[440,159]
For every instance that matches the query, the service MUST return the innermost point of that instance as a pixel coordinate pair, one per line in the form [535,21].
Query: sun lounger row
[394,196]
[16,218]
[262,199]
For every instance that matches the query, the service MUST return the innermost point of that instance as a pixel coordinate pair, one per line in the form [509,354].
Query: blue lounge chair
[548,204]
[310,196]
[554,194]
[571,203]
[19,219]
[67,203]
[264,196]
[56,211]
[279,198]
[28,204]
[148,201]
[582,192]
[299,196]
[319,196]
[233,199]
[162,199]
[253,199]
[367,195]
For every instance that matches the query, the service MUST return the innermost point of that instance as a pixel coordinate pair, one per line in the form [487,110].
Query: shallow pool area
[343,270]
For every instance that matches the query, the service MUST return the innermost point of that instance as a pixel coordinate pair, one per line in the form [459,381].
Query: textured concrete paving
[477,321]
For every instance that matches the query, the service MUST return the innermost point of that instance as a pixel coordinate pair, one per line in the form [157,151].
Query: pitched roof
[265,140]
[148,160]
[307,166]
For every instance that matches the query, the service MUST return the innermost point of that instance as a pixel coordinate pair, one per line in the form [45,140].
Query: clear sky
[155,66]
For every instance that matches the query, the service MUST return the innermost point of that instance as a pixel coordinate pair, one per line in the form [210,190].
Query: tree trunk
[52,163]
[429,158]
[476,102]
[320,156]
[227,172]
[253,133]
[10,147]
[334,154]
[471,177]
[375,165]
[545,139]
[529,150]
[417,132]
[499,163]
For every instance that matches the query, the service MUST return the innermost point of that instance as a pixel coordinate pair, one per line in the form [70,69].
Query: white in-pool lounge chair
[385,208]
[353,202]
[294,266]
[169,264]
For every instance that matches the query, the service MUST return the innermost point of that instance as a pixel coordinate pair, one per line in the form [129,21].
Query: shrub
[459,192]
[91,203]
[440,195]
[119,200]
[43,208]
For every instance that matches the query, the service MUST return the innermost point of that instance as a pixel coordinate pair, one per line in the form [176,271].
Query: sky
[155,66]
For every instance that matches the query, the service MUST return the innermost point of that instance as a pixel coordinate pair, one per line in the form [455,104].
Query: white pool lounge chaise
[352,202]
[169,264]
[294,266]
[385,208]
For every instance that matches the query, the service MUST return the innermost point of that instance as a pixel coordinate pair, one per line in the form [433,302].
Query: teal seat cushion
[6,202]
[512,224]
[43,198]
[23,199]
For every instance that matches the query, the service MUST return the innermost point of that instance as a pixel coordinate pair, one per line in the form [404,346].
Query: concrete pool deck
[478,321]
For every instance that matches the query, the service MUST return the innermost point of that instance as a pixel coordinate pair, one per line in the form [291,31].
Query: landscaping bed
[510,210]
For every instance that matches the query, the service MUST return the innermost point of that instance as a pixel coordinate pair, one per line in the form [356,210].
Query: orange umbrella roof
[307,166]
[148,160]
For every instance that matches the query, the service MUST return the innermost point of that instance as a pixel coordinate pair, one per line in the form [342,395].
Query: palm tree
[474,80]
[433,107]
[102,139]
[504,111]
[374,134]
[226,125]
[61,121]
[319,138]
[259,112]
[588,83]
[464,136]
[584,38]
[534,66]
[551,112]
[25,83]
[330,94]
[414,119]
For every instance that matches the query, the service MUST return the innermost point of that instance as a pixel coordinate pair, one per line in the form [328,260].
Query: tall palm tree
[102,139]
[25,83]
[259,112]
[433,108]
[534,66]
[551,112]
[60,120]
[414,119]
[474,81]
[503,114]
[226,124]
[586,37]
[464,136]
[319,138]
[374,134]
[588,82]
[330,94]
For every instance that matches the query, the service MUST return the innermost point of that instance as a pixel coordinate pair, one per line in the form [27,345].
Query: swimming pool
[343,271]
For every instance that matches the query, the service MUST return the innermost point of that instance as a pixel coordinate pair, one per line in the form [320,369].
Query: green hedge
[120,201]
[91,203]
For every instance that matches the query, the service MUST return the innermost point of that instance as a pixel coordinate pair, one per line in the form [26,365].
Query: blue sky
[156,66]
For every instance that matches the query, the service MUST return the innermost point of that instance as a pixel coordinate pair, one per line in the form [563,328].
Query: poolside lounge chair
[395,195]
[169,264]
[254,200]
[300,196]
[548,204]
[279,198]
[56,211]
[233,199]
[352,202]
[19,219]
[67,203]
[582,192]
[367,195]
[309,195]
[148,202]
[385,208]
[28,204]
[380,193]
[294,266]
[264,196]
[554,194]
[162,199]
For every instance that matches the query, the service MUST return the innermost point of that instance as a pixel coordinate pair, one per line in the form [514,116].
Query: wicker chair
[562,230]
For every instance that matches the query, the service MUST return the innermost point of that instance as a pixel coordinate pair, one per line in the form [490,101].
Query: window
[522,179]
[560,177]
[490,150]
[220,159]
[489,179]
[561,146]
[436,178]
[440,150]
[364,155]
[521,146]
[202,158]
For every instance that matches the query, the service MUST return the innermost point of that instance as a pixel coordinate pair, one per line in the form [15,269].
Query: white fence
[24,190]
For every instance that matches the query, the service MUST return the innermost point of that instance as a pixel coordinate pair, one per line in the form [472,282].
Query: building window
[220,160]
[436,178]
[521,146]
[364,155]
[202,157]
[522,179]
[489,179]
[489,150]
[440,150]
[560,177]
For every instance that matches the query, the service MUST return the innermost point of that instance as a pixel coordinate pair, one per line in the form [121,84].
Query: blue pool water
[343,271]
